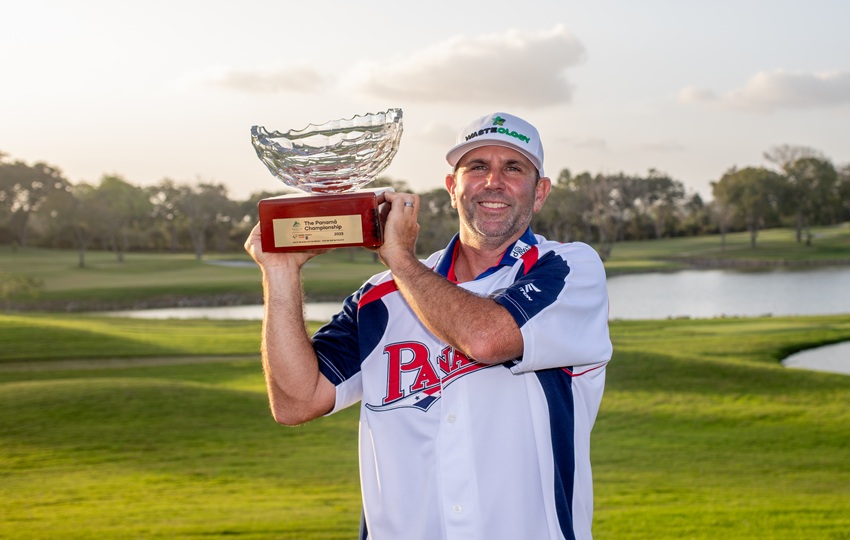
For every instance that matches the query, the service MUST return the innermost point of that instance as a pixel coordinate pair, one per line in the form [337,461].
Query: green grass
[702,434]
[40,337]
[153,279]
[774,246]
[166,279]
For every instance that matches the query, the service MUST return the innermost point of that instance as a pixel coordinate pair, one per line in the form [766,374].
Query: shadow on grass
[185,429]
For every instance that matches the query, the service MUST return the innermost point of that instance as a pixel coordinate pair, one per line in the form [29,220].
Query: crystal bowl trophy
[330,162]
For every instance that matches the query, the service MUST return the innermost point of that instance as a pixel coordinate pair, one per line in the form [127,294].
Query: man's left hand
[399,215]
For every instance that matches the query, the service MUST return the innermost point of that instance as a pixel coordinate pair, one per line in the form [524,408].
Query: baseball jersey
[454,449]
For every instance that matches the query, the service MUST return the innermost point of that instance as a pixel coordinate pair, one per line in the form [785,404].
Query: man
[479,370]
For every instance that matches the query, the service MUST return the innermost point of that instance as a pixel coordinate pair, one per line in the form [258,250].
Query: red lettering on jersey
[426,377]
[452,360]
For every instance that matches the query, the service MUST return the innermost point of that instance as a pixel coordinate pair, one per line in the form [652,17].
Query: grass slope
[702,434]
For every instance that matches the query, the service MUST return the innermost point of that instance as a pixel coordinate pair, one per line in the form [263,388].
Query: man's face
[496,192]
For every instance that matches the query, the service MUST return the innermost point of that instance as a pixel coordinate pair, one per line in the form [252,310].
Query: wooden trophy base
[301,222]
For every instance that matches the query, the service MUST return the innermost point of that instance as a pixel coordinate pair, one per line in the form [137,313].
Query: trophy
[330,162]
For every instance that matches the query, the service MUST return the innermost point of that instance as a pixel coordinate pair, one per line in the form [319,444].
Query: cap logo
[499,121]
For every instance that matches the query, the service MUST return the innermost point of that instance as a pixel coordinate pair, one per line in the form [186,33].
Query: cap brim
[455,154]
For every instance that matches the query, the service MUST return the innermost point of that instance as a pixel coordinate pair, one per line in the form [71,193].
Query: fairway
[702,434]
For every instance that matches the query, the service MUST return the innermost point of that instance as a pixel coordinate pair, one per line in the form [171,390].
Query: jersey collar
[445,265]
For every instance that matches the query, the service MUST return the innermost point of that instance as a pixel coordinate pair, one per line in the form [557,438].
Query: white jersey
[454,449]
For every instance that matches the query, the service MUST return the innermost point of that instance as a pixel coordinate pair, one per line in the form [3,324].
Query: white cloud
[266,80]
[692,94]
[769,91]
[513,69]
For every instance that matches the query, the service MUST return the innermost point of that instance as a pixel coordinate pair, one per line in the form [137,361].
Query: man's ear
[450,187]
[541,191]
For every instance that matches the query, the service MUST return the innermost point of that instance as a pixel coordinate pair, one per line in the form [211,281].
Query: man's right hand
[293,259]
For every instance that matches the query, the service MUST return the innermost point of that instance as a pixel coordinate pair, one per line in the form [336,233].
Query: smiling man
[479,370]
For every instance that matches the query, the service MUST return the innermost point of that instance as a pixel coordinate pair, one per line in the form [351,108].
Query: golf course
[139,428]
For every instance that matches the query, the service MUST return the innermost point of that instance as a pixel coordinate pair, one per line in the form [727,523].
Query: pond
[690,293]
[724,293]
[831,358]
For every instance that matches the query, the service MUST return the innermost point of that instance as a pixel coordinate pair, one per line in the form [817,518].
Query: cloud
[513,69]
[297,79]
[769,91]
[692,94]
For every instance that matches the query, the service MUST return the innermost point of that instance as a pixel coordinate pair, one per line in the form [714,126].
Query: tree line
[40,207]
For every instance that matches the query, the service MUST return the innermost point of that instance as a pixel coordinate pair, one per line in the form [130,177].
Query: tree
[561,215]
[695,216]
[722,212]
[122,209]
[23,188]
[753,193]
[165,212]
[843,189]
[812,183]
[205,207]
[438,220]
[661,197]
[74,213]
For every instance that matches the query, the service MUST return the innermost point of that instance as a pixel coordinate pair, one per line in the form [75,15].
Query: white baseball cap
[499,129]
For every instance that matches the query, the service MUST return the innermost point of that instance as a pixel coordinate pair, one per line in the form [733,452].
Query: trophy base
[301,222]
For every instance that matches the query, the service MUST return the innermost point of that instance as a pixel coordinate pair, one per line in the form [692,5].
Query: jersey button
[457,509]
[450,418]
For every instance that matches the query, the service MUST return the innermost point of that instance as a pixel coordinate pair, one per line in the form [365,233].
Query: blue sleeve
[536,290]
[561,308]
[336,344]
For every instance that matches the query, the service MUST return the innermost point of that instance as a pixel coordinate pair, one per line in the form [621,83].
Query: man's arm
[297,390]
[478,326]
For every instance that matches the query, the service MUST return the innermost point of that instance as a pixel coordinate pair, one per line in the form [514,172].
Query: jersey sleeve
[337,348]
[561,307]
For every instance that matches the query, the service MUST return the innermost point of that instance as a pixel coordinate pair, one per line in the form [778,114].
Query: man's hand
[297,391]
[294,260]
[399,218]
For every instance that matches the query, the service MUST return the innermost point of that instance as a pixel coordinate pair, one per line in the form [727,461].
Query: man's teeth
[493,205]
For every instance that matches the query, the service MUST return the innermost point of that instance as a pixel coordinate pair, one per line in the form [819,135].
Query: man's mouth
[494,205]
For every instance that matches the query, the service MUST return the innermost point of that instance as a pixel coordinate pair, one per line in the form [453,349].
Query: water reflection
[831,358]
[718,293]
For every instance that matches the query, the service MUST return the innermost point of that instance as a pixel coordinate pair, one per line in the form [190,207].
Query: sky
[170,89]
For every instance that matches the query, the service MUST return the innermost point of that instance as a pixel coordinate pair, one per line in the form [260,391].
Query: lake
[689,293]
[724,293]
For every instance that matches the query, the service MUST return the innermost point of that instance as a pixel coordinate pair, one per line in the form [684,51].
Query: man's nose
[495,180]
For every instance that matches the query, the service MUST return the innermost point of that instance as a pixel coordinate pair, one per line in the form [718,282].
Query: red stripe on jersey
[529,259]
[571,373]
[451,276]
[377,292]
